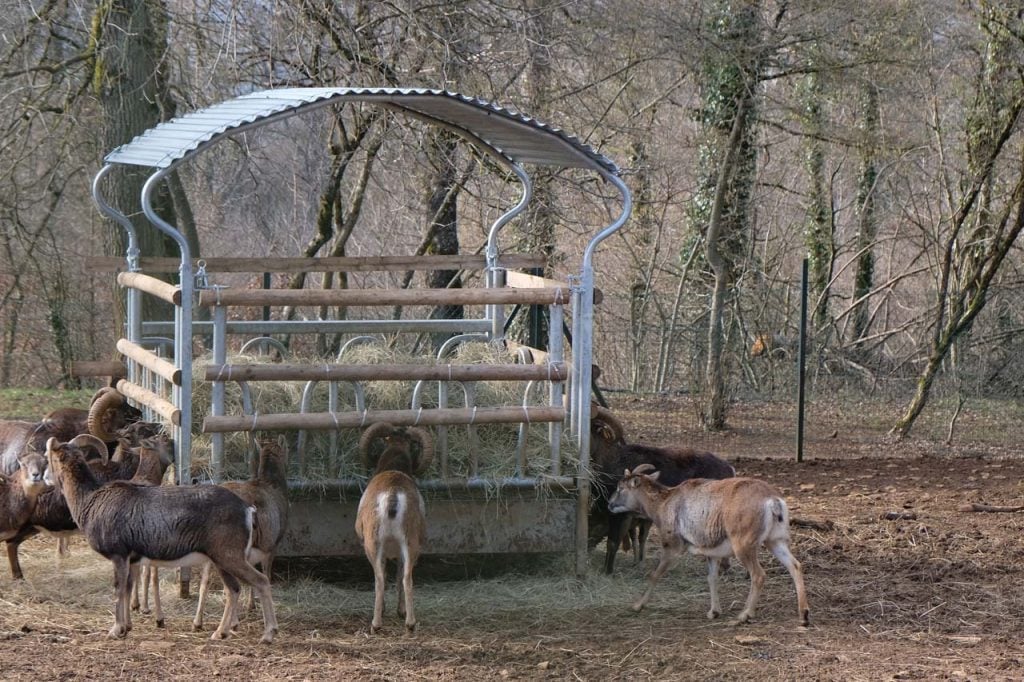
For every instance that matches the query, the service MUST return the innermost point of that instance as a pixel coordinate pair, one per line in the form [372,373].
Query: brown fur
[268,493]
[391,519]
[19,493]
[173,525]
[717,519]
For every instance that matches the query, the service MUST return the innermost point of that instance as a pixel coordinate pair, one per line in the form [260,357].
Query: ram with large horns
[392,517]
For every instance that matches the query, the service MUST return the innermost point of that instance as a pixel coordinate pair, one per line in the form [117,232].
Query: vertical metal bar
[220,354]
[582,359]
[556,392]
[496,313]
[182,395]
[332,406]
[801,363]
[469,389]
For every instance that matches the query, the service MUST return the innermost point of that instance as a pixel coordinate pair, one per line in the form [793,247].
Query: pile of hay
[329,455]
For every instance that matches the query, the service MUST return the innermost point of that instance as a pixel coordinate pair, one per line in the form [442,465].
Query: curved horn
[643,469]
[110,400]
[426,441]
[87,439]
[371,434]
[102,391]
[601,414]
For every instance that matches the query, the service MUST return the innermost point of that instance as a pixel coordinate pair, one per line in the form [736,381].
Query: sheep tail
[779,511]
[250,524]
[392,505]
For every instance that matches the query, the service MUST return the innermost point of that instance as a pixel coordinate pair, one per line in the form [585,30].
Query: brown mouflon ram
[168,525]
[610,454]
[392,519]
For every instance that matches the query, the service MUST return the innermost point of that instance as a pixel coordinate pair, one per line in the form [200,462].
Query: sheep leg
[151,575]
[669,555]
[716,608]
[379,586]
[204,588]
[261,585]
[781,551]
[410,614]
[618,527]
[134,604]
[122,585]
[12,559]
[748,557]
[232,588]
[147,577]
[645,532]
[63,547]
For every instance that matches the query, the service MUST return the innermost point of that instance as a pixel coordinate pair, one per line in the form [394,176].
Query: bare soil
[934,593]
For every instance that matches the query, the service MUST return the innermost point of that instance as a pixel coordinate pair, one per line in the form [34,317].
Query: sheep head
[605,426]
[273,458]
[84,441]
[627,497]
[109,413]
[398,453]
[32,469]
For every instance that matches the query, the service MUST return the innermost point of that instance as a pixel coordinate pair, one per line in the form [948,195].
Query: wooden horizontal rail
[98,368]
[522,280]
[150,361]
[555,372]
[326,421]
[336,264]
[151,400]
[150,285]
[382,297]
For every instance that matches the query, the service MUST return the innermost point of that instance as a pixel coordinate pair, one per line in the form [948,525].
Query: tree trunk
[818,235]
[728,156]
[867,220]
[130,39]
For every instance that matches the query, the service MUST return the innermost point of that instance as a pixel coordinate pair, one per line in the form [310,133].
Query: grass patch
[32,404]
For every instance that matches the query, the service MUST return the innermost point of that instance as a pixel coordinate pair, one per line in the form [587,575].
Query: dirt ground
[933,594]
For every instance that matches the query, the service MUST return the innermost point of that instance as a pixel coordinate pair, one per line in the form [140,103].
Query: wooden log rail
[386,297]
[522,280]
[99,368]
[327,421]
[335,264]
[551,372]
[151,400]
[150,361]
[150,285]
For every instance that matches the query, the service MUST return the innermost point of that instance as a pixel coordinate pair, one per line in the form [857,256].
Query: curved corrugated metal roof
[503,131]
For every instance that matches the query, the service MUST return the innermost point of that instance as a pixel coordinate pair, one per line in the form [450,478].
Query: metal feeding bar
[511,139]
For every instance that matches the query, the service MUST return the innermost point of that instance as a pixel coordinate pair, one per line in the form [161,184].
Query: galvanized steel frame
[519,139]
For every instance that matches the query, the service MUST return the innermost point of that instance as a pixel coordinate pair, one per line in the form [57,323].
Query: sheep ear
[627,474]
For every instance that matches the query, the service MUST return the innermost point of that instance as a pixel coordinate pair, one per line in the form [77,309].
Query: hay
[493,447]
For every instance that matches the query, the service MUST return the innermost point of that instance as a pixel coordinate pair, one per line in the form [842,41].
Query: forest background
[880,140]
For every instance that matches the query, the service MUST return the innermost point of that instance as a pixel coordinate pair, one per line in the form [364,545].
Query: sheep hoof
[197,627]
[267,637]
[117,632]
[713,613]
[638,607]
[805,620]
[219,634]
[410,628]
[742,619]
[160,622]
